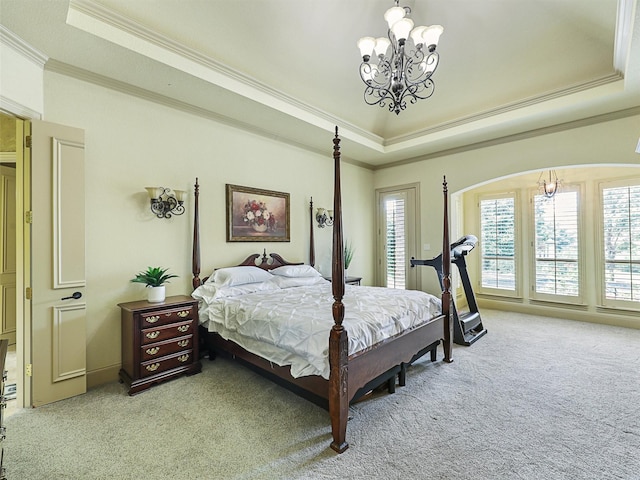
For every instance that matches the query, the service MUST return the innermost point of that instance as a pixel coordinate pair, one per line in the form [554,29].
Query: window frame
[536,296]
[516,293]
[602,293]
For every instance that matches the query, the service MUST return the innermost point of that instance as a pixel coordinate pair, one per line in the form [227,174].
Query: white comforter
[290,326]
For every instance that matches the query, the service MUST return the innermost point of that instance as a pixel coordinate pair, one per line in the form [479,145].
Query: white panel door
[57,263]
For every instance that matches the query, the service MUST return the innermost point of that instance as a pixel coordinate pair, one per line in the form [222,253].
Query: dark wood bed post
[338,340]
[195,265]
[312,248]
[446,277]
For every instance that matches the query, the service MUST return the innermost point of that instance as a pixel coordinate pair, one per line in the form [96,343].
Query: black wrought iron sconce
[166,202]
[324,217]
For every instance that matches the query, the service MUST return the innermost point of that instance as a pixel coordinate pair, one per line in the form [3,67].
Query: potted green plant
[348,254]
[154,278]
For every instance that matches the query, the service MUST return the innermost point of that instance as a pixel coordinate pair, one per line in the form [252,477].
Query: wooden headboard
[266,262]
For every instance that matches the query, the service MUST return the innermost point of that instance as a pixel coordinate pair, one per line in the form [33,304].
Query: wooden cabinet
[159,341]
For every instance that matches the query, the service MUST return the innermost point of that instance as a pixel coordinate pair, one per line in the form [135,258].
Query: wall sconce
[166,202]
[324,217]
[551,187]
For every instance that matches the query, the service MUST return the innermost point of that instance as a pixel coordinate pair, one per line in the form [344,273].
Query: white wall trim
[18,110]
[10,39]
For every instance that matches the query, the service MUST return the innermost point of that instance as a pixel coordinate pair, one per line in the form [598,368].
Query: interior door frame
[414,280]
[23,257]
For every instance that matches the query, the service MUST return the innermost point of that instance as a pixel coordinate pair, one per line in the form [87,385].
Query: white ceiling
[288,69]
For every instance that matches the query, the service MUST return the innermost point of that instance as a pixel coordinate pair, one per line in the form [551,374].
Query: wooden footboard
[397,350]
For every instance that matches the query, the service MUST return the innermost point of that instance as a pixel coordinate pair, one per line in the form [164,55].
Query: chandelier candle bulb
[382,45]
[366,46]
[401,29]
[403,64]
[394,14]
[431,36]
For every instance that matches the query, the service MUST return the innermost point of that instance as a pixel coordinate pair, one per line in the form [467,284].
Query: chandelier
[549,188]
[405,72]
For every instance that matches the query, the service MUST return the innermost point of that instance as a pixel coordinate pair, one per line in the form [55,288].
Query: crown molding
[584,122]
[510,107]
[7,37]
[120,29]
[65,69]
[622,41]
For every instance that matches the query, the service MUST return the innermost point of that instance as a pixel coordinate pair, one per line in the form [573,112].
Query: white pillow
[289,282]
[230,276]
[296,271]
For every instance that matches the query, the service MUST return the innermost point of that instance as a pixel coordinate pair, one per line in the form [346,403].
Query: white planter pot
[156,294]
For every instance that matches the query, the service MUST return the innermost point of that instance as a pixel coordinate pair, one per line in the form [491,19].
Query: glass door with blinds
[556,247]
[397,238]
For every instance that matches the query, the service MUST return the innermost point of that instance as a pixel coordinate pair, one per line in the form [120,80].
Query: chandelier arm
[421,70]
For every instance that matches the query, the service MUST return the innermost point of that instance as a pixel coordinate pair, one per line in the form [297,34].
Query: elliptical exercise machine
[467,326]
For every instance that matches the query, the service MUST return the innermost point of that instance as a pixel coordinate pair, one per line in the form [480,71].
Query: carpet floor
[536,398]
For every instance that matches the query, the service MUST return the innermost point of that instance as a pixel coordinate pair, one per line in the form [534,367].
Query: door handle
[75,296]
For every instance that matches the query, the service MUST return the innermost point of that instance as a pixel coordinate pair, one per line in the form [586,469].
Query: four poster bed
[364,349]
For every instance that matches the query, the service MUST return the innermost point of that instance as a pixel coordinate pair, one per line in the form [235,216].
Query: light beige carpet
[536,398]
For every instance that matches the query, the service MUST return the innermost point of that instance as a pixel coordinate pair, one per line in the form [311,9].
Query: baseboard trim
[102,376]
[550,310]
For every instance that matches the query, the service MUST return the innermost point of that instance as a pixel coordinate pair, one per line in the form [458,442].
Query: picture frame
[256,215]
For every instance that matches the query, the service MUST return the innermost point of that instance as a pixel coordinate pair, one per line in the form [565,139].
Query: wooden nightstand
[349,280]
[159,341]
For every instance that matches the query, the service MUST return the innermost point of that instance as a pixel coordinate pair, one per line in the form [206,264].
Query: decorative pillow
[231,276]
[296,271]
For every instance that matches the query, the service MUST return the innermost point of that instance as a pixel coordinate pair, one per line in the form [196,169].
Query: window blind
[395,243]
[497,241]
[621,229]
[556,244]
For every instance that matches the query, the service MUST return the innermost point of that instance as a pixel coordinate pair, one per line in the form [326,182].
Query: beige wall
[132,143]
[606,143]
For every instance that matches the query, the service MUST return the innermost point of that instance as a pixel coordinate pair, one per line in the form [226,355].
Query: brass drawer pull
[183,343]
[152,351]
[183,314]
[153,319]
[183,358]
[153,367]
[183,328]
[153,335]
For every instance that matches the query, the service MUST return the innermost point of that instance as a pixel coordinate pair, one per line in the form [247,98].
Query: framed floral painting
[255,215]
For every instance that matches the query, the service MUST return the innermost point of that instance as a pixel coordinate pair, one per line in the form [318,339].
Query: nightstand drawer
[152,335]
[153,367]
[154,319]
[168,347]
